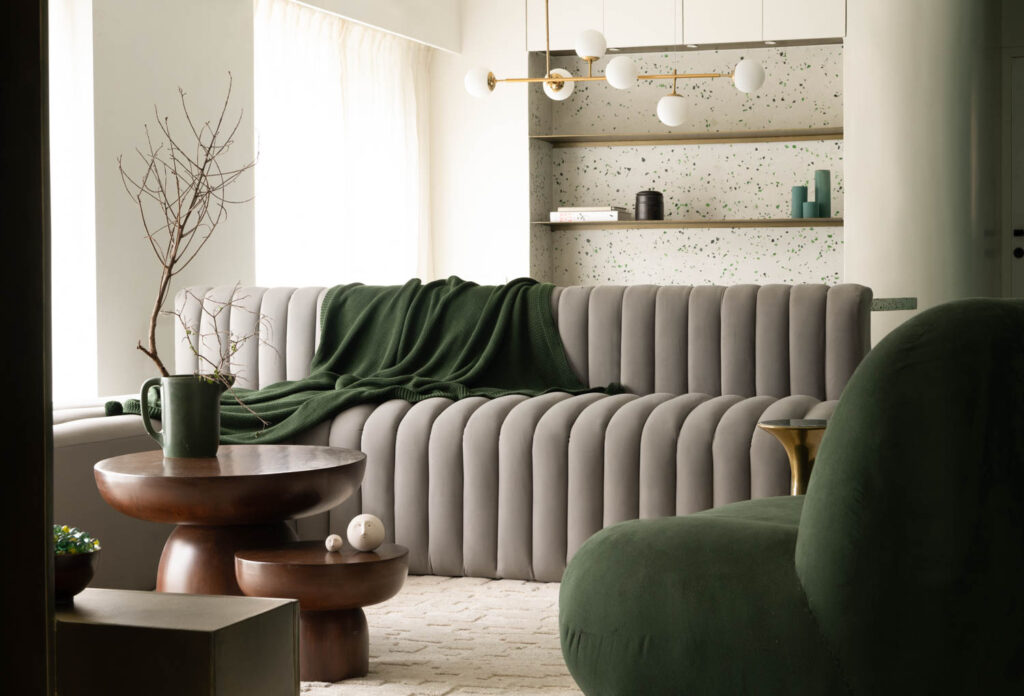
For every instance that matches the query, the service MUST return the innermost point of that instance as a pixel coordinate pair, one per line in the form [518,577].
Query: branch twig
[186,193]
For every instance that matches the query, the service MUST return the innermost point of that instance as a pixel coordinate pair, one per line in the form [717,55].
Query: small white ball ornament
[333,543]
[365,532]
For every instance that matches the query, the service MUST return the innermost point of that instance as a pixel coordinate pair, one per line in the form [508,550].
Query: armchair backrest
[748,340]
[911,543]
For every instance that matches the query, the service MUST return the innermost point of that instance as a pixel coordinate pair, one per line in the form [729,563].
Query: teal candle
[810,209]
[799,198]
[822,192]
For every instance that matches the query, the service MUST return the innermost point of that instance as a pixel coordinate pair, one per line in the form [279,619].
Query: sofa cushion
[646,605]
[912,547]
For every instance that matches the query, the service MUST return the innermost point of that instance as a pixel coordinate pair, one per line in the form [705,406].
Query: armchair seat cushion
[646,604]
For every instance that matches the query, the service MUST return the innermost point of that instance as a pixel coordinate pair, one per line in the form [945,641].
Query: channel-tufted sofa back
[745,340]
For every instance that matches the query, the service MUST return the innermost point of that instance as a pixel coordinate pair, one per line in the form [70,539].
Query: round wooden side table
[801,438]
[236,500]
[332,588]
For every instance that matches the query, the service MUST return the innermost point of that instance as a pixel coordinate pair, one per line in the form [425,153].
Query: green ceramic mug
[190,414]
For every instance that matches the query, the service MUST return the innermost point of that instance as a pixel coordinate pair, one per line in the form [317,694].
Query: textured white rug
[462,636]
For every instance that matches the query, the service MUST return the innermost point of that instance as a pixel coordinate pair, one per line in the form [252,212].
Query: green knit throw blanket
[448,338]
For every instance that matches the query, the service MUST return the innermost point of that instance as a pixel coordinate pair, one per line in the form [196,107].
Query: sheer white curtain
[72,202]
[341,119]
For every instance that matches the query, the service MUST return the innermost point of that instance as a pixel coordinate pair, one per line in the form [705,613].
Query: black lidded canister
[650,205]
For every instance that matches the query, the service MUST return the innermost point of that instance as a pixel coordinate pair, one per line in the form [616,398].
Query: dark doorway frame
[27,662]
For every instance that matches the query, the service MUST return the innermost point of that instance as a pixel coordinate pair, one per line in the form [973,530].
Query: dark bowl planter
[71,574]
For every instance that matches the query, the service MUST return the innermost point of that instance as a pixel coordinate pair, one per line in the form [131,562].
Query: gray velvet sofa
[511,487]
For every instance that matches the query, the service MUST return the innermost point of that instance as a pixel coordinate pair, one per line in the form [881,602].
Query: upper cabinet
[639,23]
[568,19]
[721,21]
[631,23]
[804,19]
[624,23]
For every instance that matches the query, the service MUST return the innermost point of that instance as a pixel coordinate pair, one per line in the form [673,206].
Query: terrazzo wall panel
[715,182]
[802,89]
[717,256]
[708,181]
[541,170]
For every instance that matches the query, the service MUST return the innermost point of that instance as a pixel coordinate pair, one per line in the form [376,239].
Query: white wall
[143,51]
[479,151]
[433,22]
[921,129]
[72,201]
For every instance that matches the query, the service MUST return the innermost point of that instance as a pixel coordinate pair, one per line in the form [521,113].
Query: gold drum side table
[801,438]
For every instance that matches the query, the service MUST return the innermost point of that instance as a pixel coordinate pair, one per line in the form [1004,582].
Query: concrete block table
[115,642]
[332,588]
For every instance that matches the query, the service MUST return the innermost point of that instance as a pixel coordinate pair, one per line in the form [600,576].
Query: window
[72,202]
[341,118]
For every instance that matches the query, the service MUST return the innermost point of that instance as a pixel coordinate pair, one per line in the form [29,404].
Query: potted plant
[182,196]
[74,562]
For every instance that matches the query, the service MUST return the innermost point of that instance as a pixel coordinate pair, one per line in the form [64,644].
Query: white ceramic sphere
[591,44]
[334,543]
[672,110]
[748,76]
[621,72]
[365,532]
[476,82]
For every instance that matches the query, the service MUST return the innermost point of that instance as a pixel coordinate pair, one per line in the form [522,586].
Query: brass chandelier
[621,73]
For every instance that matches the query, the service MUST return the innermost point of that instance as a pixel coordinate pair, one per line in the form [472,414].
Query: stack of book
[592,213]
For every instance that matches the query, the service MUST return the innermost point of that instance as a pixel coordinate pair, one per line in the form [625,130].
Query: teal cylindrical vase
[822,192]
[811,209]
[799,198]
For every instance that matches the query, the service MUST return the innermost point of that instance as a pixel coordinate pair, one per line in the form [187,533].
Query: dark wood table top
[322,580]
[305,553]
[234,461]
[163,610]
[243,484]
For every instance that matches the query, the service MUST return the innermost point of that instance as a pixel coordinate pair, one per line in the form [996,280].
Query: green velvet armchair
[900,572]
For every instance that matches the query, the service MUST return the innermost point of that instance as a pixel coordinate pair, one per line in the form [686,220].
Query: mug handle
[144,407]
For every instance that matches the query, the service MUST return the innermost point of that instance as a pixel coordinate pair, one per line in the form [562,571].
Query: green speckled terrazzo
[893,304]
[725,256]
[803,89]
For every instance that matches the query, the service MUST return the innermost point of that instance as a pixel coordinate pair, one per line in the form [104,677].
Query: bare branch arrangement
[182,195]
[219,341]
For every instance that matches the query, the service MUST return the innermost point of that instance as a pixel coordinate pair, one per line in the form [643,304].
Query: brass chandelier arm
[598,78]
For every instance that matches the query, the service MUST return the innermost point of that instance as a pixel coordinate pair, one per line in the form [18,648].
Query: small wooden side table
[801,438]
[332,588]
[236,500]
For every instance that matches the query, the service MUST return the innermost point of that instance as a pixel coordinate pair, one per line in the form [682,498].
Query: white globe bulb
[567,87]
[478,82]
[621,73]
[748,76]
[590,44]
[672,110]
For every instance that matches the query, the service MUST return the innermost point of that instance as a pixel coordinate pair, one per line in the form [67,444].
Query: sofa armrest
[131,547]
[80,409]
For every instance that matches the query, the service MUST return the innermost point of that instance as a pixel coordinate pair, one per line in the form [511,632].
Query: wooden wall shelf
[626,139]
[703,224]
